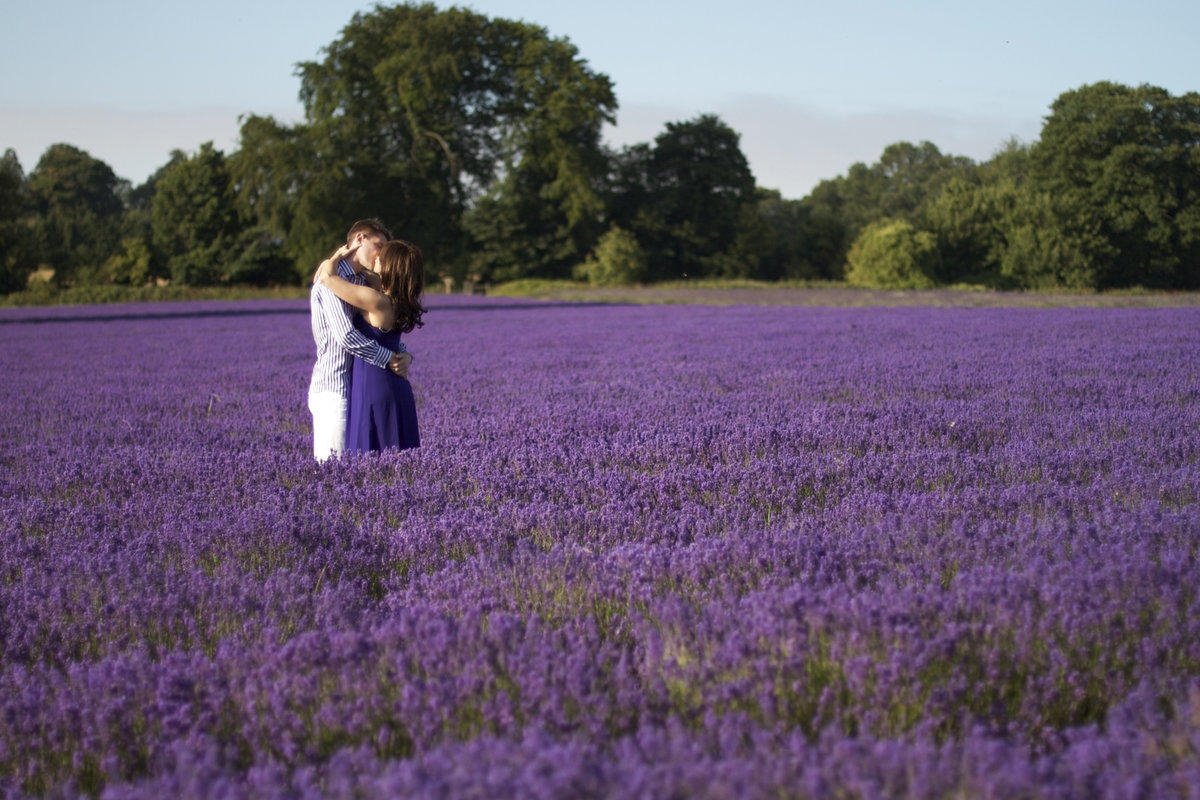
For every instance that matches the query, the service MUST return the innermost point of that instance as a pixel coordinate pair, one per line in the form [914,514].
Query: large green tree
[1127,160]
[425,117]
[905,177]
[792,240]
[197,230]
[997,226]
[687,199]
[76,198]
[17,255]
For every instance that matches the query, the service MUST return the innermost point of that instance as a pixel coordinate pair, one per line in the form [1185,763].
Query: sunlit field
[643,551]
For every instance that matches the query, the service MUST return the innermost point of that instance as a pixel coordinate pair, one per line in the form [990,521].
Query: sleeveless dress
[382,412]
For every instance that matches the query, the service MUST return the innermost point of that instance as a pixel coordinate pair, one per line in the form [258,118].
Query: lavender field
[644,551]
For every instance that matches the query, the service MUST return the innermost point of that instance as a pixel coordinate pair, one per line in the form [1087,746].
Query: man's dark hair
[373,225]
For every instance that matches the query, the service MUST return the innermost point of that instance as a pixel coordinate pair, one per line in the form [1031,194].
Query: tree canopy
[79,210]
[194,219]
[427,118]
[1129,159]
[684,198]
[479,138]
[16,234]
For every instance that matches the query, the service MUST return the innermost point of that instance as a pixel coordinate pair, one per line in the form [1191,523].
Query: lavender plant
[642,551]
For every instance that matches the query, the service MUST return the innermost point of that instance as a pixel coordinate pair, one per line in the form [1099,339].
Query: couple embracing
[364,296]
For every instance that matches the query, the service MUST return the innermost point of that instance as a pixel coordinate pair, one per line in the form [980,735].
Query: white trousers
[329,424]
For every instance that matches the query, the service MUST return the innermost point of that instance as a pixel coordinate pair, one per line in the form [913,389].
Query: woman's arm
[374,304]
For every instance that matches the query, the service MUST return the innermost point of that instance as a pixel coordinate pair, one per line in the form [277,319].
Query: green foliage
[996,226]
[130,265]
[684,199]
[479,139]
[44,294]
[896,187]
[261,260]
[274,180]
[790,240]
[425,117]
[17,255]
[75,196]
[1047,246]
[967,217]
[1125,163]
[194,220]
[618,260]
[1108,197]
[892,254]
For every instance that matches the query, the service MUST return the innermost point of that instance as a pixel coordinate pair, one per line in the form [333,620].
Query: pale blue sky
[811,86]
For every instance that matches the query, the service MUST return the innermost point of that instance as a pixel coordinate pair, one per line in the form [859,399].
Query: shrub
[892,254]
[617,260]
[131,264]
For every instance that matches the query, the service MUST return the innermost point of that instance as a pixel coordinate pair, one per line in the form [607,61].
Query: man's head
[366,237]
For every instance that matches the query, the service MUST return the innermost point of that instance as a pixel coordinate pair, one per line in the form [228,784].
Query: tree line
[479,138]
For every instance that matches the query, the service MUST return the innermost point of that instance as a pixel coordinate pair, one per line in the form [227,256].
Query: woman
[382,412]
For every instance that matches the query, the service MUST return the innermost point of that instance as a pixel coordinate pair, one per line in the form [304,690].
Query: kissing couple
[364,297]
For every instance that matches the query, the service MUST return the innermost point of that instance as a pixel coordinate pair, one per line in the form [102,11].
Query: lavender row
[925,532]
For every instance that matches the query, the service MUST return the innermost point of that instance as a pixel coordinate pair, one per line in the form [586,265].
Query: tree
[17,256]
[420,116]
[260,260]
[134,260]
[905,178]
[911,174]
[1047,243]
[284,190]
[684,198]
[965,218]
[1127,160]
[194,219]
[892,254]
[76,197]
[794,242]
[617,260]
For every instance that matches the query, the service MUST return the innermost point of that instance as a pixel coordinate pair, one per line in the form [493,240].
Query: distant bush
[534,287]
[130,264]
[893,254]
[618,260]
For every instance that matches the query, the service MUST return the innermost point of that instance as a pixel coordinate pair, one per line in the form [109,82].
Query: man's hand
[399,364]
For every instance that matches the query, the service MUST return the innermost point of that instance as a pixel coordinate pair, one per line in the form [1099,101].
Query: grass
[45,294]
[831,293]
[700,291]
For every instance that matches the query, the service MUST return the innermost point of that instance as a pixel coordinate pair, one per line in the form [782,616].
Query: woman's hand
[328,267]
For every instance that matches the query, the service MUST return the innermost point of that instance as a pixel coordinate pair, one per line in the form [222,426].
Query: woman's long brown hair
[402,272]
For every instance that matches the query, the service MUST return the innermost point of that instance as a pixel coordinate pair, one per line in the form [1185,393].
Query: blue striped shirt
[338,341]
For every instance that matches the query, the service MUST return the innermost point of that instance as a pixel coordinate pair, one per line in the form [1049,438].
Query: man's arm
[337,316]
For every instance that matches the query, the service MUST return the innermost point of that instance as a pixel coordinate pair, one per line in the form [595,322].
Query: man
[338,342]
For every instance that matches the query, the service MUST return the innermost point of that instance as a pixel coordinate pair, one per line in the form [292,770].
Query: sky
[811,87]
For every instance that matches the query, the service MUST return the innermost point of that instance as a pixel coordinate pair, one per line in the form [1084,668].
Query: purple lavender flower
[643,551]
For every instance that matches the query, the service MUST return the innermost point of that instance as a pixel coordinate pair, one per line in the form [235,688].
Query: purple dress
[382,411]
